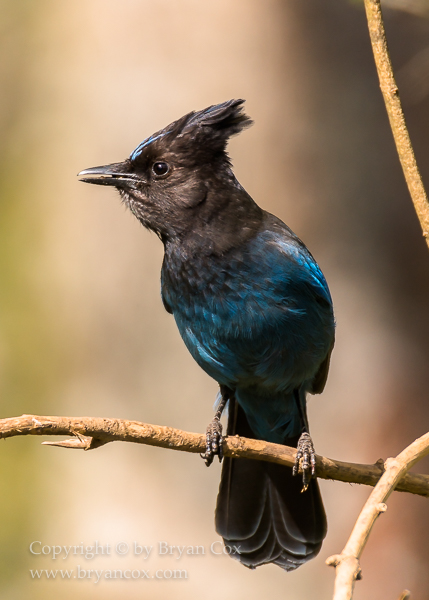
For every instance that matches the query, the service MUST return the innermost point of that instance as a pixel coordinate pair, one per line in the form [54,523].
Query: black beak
[115,175]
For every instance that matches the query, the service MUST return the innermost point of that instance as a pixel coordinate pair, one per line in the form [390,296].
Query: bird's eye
[160,168]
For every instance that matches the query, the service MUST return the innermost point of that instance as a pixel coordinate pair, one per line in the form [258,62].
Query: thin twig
[347,563]
[396,116]
[89,433]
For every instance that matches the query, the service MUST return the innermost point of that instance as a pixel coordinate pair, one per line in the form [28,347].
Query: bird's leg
[304,449]
[214,430]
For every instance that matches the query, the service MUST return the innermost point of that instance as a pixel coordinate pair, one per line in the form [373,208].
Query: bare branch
[390,93]
[347,563]
[89,433]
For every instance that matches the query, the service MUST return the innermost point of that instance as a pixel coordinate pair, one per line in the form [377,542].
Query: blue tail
[261,512]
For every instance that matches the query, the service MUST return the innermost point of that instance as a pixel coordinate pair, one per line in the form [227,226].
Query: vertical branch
[390,93]
[347,563]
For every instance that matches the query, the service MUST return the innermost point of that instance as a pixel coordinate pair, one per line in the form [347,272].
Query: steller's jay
[255,312]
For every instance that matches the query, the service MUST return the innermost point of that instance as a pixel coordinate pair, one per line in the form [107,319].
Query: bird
[255,312]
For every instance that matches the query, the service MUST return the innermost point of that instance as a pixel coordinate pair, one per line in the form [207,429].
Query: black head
[170,174]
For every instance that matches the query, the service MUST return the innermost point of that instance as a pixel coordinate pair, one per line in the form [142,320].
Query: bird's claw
[306,458]
[213,442]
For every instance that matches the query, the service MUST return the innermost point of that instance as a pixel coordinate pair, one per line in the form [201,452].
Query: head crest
[228,117]
[213,126]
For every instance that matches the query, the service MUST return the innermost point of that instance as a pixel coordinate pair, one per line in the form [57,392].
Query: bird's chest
[215,306]
[212,289]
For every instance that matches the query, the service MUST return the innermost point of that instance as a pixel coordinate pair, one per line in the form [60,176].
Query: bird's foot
[306,459]
[213,442]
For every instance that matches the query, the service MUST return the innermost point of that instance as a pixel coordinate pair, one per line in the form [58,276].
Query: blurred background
[82,327]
